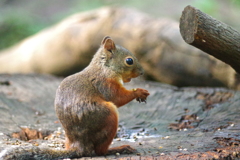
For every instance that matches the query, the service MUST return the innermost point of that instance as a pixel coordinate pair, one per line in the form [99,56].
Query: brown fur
[86,103]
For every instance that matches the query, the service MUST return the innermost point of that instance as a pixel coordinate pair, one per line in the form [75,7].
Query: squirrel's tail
[36,153]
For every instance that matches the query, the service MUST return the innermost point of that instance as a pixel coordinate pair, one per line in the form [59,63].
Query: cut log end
[188,25]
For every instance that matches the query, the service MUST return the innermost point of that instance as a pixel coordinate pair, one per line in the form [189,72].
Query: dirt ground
[175,123]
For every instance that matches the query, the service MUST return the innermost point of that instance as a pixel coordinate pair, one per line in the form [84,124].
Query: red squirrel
[87,105]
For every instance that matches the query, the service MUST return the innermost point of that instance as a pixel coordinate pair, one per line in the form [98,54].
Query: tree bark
[211,36]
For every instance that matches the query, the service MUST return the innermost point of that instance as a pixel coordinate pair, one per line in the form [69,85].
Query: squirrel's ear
[104,39]
[108,43]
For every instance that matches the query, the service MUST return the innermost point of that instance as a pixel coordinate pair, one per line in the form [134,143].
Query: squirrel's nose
[141,72]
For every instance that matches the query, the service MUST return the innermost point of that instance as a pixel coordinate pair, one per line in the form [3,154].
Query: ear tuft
[104,39]
[108,43]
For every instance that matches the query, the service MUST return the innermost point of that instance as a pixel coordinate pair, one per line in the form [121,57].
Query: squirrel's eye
[129,61]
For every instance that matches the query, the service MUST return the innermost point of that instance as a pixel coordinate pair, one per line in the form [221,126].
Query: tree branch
[211,36]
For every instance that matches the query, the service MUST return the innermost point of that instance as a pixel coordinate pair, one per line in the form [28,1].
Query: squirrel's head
[119,60]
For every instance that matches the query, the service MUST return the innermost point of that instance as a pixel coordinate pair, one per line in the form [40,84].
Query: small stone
[51,145]
[166,137]
[36,144]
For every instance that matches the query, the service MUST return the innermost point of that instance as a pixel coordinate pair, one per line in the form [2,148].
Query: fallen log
[68,47]
[211,36]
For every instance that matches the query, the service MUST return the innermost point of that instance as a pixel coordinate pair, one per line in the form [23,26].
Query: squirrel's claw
[141,100]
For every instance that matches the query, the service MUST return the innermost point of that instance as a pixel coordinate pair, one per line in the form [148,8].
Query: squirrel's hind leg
[104,137]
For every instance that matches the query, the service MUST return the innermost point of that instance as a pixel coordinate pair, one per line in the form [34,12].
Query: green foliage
[207,6]
[236,2]
[13,29]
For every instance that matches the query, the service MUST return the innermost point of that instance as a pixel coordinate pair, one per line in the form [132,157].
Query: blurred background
[20,19]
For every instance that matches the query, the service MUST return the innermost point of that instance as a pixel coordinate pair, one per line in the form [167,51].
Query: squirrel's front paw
[141,94]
